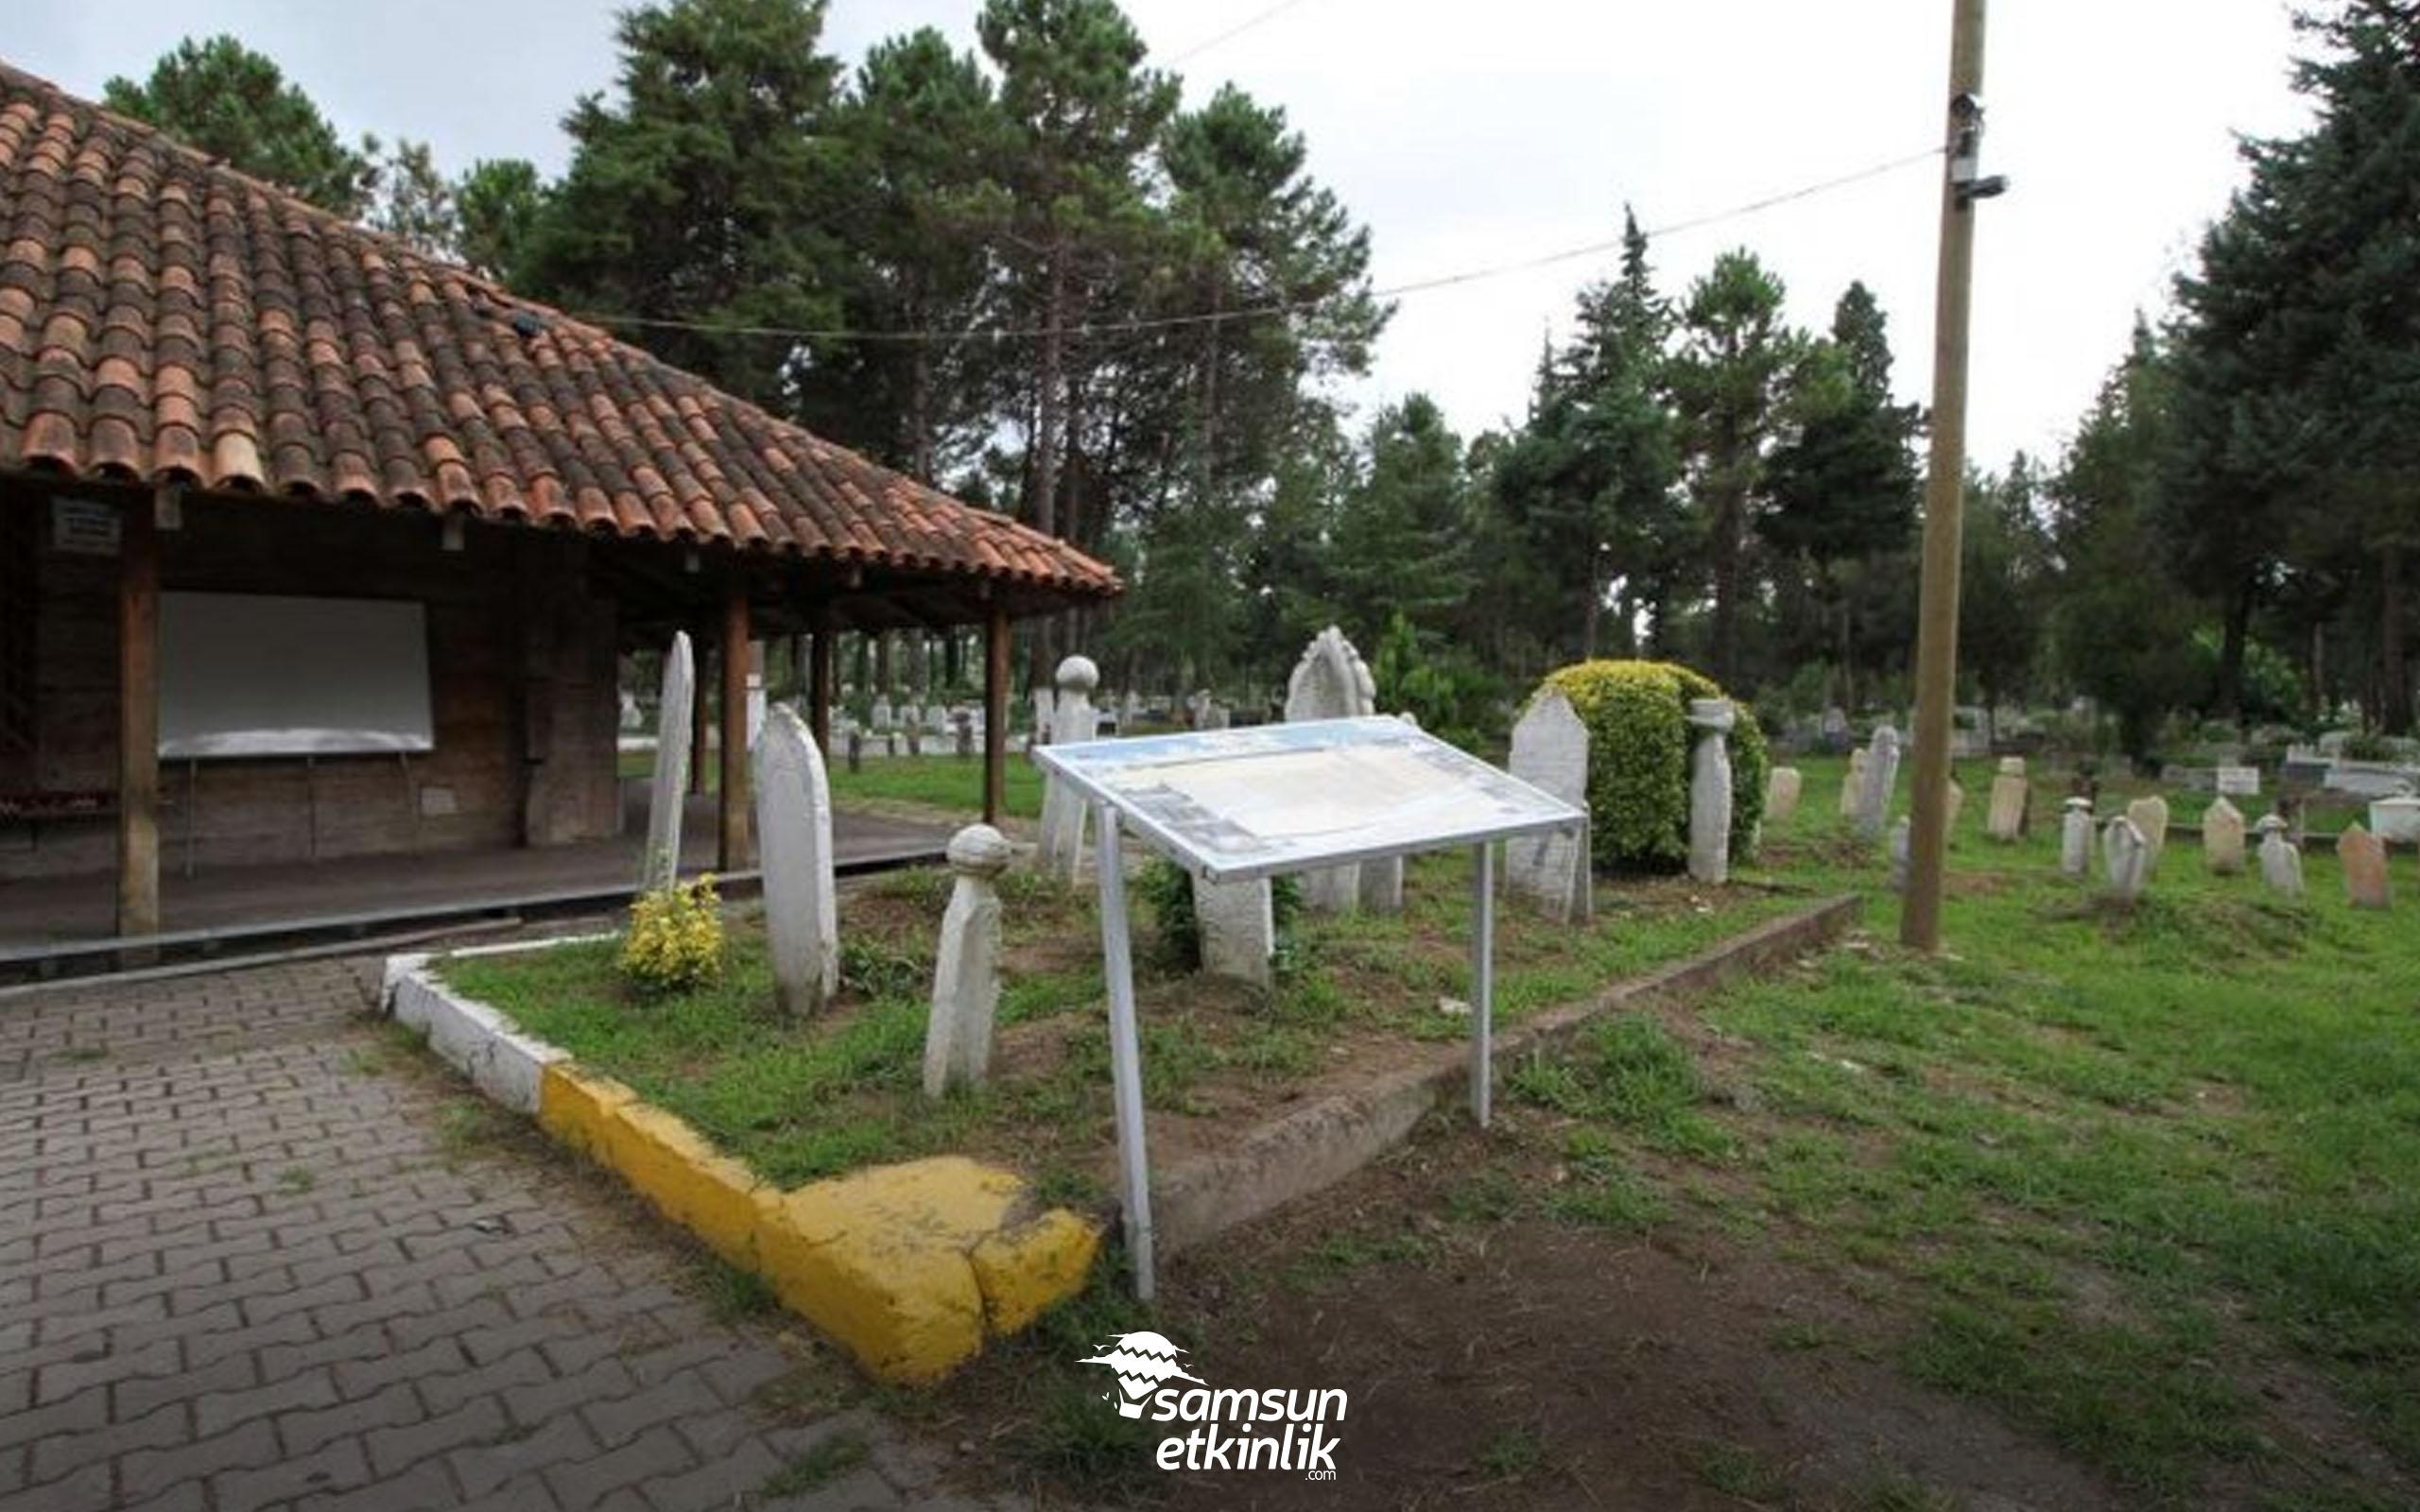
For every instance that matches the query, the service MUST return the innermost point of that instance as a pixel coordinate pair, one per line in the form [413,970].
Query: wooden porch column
[996,715]
[823,660]
[138,720]
[701,714]
[732,848]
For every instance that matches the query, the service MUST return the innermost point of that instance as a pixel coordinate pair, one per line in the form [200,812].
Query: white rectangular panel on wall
[261,675]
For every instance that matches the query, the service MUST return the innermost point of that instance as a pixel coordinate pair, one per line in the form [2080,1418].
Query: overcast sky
[1468,135]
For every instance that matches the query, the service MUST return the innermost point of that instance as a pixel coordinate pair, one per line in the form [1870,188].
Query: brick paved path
[243,1266]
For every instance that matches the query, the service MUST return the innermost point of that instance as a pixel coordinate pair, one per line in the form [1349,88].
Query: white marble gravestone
[2011,802]
[1902,851]
[2151,817]
[2281,860]
[1551,754]
[1064,810]
[1330,681]
[1239,929]
[2074,837]
[2363,858]
[794,842]
[881,715]
[1782,787]
[2127,854]
[2222,838]
[661,863]
[1710,790]
[1853,783]
[966,975]
[1953,805]
[1881,775]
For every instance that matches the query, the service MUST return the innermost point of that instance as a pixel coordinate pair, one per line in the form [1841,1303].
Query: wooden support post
[732,848]
[138,720]
[701,714]
[823,661]
[996,715]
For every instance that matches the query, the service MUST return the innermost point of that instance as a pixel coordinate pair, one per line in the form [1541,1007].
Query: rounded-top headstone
[1712,713]
[1078,675]
[980,850]
[2012,766]
[2078,805]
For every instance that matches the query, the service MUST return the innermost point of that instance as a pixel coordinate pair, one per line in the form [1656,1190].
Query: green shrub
[675,942]
[1639,761]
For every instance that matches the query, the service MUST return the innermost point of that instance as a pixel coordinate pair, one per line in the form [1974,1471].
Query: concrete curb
[1324,1141]
[913,1266]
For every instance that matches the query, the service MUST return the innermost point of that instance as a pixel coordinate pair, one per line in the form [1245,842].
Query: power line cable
[1271,307]
[1233,31]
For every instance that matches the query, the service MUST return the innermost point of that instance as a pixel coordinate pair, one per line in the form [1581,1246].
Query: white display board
[259,675]
[1233,804]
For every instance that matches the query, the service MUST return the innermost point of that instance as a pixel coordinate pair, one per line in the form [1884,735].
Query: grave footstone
[1062,807]
[1782,787]
[1710,791]
[2281,860]
[1902,851]
[2126,853]
[1955,804]
[1881,774]
[2012,800]
[2363,857]
[1329,683]
[2222,839]
[966,975]
[669,790]
[794,841]
[1551,754]
[1239,929]
[2074,837]
[2151,817]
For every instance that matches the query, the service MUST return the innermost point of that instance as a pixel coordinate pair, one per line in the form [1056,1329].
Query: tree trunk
[2395,695]
[1589,611]
[2228,704]
[919,415]
[1725,550]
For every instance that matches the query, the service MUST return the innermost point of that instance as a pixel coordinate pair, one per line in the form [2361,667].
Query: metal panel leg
[1125,1047]
[1483,981]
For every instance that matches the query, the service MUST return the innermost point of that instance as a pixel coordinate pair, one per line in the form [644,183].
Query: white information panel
[264,675]
[1233,805]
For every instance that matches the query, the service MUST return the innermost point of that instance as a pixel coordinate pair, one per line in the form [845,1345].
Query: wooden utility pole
[138,720]
[1945,484]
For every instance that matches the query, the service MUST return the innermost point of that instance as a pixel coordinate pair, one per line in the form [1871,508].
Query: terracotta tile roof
[165,319]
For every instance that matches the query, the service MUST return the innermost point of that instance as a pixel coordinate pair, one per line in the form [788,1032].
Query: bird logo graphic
[1143,1361]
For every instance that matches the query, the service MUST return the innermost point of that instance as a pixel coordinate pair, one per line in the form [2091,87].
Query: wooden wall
[522,671]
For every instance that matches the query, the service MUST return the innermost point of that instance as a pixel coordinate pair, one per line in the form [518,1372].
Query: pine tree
[235,104]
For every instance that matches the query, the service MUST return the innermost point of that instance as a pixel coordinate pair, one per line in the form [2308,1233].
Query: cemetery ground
[2105,1208]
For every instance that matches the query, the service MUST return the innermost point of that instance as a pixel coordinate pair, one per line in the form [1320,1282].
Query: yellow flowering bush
[675,940]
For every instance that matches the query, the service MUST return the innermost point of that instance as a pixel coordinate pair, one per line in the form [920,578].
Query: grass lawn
[2101,1208]
[802,1100]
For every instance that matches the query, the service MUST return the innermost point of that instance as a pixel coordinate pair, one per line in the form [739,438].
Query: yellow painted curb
[911,1266]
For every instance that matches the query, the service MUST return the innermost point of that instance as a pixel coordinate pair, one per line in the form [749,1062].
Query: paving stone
[391,1408]
[336,1467]
[396,1449]
[657,1452]
[483,1468]
[59,1454]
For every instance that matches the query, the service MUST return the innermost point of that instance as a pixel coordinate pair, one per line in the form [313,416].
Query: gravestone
[2127,854]
[1131,711]
[1710,791]
[2222,839]
[2239,782]
[1853,783]
[1239,929]
[2075,838]
[965,723]
[662,861]
[2012,802]
[857,748]
[966,976]
[2281,860]
[1836,727]
[2151,817]
[882,718]
[1954,802]
[794,841]
[632,719]
[2363,858]
[1881,774]
[1330,682]
[1551,754]
[1045,703]
[1062,807]
[1902,851]
[1782,785]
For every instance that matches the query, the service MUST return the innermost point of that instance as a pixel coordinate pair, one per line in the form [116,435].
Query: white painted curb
[475,1040]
